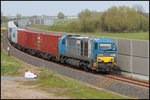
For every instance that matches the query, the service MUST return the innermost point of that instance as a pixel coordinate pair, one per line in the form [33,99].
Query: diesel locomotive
[91,54]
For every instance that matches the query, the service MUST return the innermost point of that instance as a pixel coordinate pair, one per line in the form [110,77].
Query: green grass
[52,82]
[133,35]
[62,86]
[3,29]
[4,25]
[10,66]
[44,27]
[136,35]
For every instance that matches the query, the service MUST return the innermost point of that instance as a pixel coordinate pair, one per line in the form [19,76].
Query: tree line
[3,18]
[115,19]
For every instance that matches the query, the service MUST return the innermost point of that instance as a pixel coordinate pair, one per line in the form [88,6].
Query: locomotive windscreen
[105,46]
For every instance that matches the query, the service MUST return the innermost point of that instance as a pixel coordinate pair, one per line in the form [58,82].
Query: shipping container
[21,37]
[9,32]
[14,34]
[49,43]
[10,26]
[28,38]
[31,39]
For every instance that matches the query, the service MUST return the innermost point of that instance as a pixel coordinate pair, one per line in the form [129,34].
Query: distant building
[42,20]
[72,17]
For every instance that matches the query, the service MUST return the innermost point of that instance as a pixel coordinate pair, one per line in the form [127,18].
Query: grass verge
[52,82]
[134,35]
[10,66]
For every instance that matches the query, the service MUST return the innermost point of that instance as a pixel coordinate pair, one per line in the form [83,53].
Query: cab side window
[96,46]
[114,47]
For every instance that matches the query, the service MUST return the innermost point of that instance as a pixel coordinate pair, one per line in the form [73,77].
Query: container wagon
[14,35]
[28,41]
[49,45]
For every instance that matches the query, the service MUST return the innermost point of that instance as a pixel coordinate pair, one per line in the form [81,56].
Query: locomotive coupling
[103,67]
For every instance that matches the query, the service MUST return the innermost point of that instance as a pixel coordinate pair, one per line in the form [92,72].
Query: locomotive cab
[105,51]
[104,54]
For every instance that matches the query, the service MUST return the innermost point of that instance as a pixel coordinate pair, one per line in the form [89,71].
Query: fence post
[148,59]
[131,60]
[34,21]
[40,21]
[8,50]
[117,49]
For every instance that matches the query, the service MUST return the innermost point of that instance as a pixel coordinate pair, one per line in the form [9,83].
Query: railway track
[116,77]
[110,76]
[129,80]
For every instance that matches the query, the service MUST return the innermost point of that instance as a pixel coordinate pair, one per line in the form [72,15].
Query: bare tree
[139,8]
[18,16]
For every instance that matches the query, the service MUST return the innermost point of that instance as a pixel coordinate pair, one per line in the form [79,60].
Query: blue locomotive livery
[89,53]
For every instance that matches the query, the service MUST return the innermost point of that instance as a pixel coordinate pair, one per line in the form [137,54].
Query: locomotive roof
[104,39]
[81,37]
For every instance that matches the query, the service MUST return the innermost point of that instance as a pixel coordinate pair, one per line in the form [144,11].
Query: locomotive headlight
[99,60]
[110,60]
[113,55]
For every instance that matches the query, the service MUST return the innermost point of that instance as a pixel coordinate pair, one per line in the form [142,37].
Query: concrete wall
[133,56]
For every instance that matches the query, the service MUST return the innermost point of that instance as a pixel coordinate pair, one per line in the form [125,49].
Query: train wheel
[116,70]
[93,71]
[86,68]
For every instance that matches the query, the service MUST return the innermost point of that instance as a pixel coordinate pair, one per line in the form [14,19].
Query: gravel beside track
[98,81]
[17,78]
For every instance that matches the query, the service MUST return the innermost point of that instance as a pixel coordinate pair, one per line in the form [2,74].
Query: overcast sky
[51,8]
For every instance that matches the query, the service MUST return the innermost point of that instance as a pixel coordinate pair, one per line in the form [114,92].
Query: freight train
[91,54]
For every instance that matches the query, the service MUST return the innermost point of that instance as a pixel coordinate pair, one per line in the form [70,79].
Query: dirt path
[13,90]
